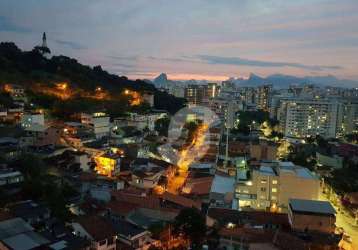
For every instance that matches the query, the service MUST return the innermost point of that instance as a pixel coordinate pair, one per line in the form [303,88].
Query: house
[333,161]
[38,135]
[132,235]
[82,159]
[259,230]
[178,201]
[30,211]
[98,230]
[199,187]
[99,122]
[10,177]
[17,234]
[31,119]
[222,191]
[9,148]
[139,121]
[17,92]
[108,164]
[146,173]
[263,150]
[312,215]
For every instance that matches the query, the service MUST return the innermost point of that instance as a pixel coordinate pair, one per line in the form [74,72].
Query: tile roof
[121,208]
[97,227]
[181,200]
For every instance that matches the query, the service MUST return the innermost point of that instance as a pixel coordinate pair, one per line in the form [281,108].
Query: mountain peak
[161,77]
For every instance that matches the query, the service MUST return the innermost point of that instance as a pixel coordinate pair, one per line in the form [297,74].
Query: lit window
[263,181]
[274,190]
[274,182]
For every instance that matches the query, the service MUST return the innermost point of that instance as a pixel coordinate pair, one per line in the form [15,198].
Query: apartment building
[301,117]
[273,184]
[99,122]
[264,97]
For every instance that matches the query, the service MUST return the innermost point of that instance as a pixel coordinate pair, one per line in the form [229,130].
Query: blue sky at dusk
[211,39]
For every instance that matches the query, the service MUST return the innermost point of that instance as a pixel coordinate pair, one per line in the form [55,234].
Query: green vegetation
[352,138]
[30,68]
[162,126]
[191,223]
[248,120]
[344,180]
[41,187]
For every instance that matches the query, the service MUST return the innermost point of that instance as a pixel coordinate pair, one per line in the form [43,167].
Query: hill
[36,73]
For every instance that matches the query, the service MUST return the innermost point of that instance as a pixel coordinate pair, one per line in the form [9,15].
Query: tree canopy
[191,223]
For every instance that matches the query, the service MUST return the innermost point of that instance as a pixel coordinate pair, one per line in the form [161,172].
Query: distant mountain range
[284,81]
[277,80]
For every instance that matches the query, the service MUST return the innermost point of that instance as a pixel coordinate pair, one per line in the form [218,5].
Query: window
[274,190]
[273,198]
[263,181]
[263,189]
[274,182]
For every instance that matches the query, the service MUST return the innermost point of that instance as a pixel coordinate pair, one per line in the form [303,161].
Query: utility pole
[228,124]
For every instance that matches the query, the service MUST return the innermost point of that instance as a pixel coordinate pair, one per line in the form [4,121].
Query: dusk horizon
[193,40]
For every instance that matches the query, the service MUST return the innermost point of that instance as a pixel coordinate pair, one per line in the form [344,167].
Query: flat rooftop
[222,184]
[311,207]
[12,227]
[266,170]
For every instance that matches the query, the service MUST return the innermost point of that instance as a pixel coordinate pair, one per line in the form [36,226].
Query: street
[346,222]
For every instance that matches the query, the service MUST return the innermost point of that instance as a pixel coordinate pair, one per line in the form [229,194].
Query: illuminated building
[309,117]
[136,98]
[99,122]
[32,119]
[212,90]
[274,183]
[140,121]
[108,164]
[16,92]
[264,97]
[195,94]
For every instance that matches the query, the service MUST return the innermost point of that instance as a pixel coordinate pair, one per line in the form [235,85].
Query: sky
[193,39]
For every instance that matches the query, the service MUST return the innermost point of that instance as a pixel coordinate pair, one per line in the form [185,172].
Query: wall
[324,224]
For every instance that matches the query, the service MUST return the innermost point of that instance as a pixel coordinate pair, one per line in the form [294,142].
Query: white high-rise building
[310,117]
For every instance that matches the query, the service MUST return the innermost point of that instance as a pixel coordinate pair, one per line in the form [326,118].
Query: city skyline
[193,39]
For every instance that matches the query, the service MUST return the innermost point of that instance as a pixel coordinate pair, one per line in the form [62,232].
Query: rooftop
[311,207]
[222,184]
[11,227]
[25,241]
[28,209]
[97,227]
[127,229]
[266,170]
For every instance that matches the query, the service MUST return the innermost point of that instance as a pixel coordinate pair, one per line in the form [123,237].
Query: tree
[191,223]
[162,125]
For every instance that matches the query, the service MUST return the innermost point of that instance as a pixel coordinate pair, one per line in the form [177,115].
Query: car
[347,238]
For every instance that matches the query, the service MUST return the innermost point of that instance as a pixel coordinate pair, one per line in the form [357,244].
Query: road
[346,222]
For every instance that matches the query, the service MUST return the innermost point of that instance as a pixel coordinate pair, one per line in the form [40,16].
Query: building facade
[273,184]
